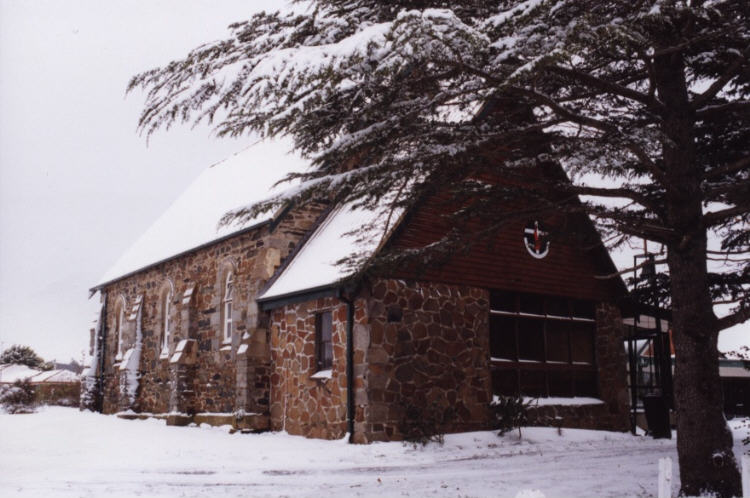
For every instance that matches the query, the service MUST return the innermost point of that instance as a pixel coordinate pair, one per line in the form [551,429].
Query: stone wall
[63,394]
[428,352]
[226,376]
[421,351]
[300,403]
[612,365]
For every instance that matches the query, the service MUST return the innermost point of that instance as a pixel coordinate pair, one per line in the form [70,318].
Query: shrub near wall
[17,397]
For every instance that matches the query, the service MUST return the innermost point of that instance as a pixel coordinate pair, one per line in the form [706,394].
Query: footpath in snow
[64,452]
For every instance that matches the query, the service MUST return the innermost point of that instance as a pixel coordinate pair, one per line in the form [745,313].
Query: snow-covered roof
[13,372]
[315,264]
[56,376]
[192,220]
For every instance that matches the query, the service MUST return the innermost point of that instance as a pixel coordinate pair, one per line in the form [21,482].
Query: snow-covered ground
[63,452]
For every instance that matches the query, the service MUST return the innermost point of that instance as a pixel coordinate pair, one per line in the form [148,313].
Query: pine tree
[644,104]
[23,355]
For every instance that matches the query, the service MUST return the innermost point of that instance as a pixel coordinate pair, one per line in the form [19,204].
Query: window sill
[322,374]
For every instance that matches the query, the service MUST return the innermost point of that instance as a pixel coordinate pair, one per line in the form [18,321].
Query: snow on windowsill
[582,401]
[125,359]
[226,346]
[557,401]
[322,374]
[164,354]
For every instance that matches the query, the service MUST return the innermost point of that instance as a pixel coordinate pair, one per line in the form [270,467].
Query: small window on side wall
[120,317]
[323,344]
[227,300]
[166,325]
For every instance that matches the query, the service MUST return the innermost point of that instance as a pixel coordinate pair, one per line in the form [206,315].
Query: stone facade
[54,393]
[421,350]
[220,376]
[415,345]
[301,402]
[428,350]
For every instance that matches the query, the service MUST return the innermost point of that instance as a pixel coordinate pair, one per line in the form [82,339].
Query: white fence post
[746,476]
[665,477]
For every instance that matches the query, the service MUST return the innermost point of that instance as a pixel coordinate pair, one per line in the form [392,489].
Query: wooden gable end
[569,269]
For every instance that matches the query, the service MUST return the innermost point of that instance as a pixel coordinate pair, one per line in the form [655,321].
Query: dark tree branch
[736,318]
[714,110]
[614,193]
[628,270]
[738,165]
[728,187]
[732,71]
[609,87]
[718,217]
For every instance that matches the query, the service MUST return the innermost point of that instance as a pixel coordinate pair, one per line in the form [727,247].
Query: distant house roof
[12,372]
[192,220]
[315,265]
[733,368]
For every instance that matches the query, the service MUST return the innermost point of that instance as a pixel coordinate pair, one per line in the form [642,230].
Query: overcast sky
[77,184]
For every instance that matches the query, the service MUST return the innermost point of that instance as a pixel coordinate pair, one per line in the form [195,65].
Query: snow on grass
[63,452]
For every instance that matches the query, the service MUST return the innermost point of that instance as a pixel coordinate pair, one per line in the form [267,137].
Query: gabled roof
[12,372]
[314,266]
[313,270]
[192,220]
[56,376]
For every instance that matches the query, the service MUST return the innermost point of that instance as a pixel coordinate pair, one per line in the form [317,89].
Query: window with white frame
[166,310]
[228,292]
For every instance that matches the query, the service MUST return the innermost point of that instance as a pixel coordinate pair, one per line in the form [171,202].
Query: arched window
[119,324]
[166,310]
[228,291]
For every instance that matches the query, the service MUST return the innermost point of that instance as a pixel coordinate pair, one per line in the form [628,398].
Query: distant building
[53,387]
[735,384]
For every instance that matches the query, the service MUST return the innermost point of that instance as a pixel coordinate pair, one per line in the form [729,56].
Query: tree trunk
[704,441]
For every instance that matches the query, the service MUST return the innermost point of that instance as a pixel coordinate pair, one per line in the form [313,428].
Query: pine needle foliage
[644,105]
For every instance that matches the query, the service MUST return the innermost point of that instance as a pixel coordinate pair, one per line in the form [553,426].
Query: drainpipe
[349,362]
[102,346]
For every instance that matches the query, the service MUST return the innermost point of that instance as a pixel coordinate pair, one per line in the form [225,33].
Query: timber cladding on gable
[568,270]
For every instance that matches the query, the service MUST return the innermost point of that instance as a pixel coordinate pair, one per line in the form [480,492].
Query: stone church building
[255,325]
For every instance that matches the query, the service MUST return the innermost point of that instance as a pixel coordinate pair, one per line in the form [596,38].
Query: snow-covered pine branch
[473,99]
